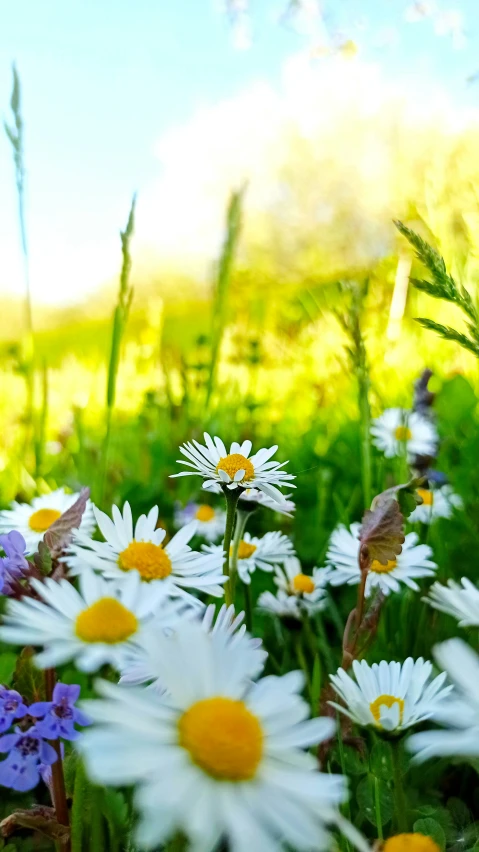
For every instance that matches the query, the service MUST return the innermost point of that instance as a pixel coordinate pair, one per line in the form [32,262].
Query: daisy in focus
[175,568]
[226,627]
[218,759]
[210,522]
[32,520]
[413,562]
[256,553]
[98,624]
[397,429]
[461,600]
[236,468]
[309,589]
[390,696]
[459,715]
[436,503]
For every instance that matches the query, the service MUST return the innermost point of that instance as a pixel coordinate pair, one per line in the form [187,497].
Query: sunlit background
[330,119]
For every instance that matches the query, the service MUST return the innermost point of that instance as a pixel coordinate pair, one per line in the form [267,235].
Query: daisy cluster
[224,752]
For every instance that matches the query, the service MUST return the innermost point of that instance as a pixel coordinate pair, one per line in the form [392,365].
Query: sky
[117,93]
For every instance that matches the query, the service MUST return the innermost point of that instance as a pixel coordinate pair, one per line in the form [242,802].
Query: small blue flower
[26,751]
[57,718]
[13,565]
[11,707]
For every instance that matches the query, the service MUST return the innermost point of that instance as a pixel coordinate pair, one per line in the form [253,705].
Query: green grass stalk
[120,319]
[222,285]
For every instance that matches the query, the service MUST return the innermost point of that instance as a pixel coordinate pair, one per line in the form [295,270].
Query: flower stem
[58,781]
[298,644]
[248,607]
[231,501]
[399,793]
[240,526]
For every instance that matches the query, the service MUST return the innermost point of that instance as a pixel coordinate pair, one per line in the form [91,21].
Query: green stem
[346,808]
[365,415]
[377,808]
[399,793]
[248,607]
[240,526]
[298,646]
[231,502]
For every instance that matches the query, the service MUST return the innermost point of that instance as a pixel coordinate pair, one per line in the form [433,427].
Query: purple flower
[58,717]
[11,707]
[45,770]
[26,751]
[13,565]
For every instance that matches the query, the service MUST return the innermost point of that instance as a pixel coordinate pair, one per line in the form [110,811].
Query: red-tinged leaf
[58,536]
[27,679]
[382,533]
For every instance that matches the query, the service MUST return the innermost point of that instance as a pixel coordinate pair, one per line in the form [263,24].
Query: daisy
[412,563]
[436,503]
[174,567]
[226,627]
[309,589]
[218,759]
[255,553]
[98,624]
[32,520]
[236,469]
[390,696]
[460,713]
[460,601]
[396,428]
[286,606]
[410,843]
[210,522]
[253,497]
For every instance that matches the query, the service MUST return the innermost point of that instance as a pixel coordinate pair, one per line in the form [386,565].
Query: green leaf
[354,764]
[43,559]
[365,797]
[8,661]
[380,760]
[431,828]
[27,679]
[459,811]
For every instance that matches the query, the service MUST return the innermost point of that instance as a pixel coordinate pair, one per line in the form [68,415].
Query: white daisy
[255,552]
[141,666]
[32,520]
[218,759]
[96,625]
[309,589]
[236,468]
[285,606]
[461,600]
[460,713]
[436,503]
[412,563]
[397,427]
[175,567]
[253,496]
[390,696]
[210,522]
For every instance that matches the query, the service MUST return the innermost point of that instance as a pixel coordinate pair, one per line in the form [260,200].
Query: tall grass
[120,319]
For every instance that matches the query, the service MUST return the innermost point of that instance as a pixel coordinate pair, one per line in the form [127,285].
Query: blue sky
[104,80]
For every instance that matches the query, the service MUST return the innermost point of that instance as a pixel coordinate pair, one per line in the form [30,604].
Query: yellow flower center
[235,462]
[41,520]
[302,583]
[223,738]
[427,497]
[386,701]
[107,620]
[410,843]
[378,568]
[150,560]
[204,513]
[245,550]
[403,433]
